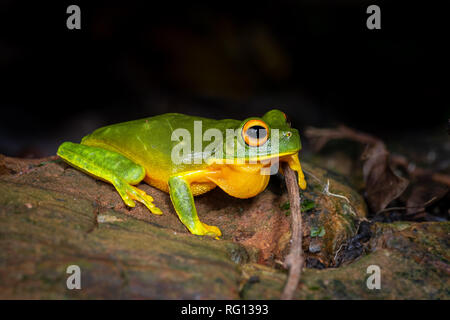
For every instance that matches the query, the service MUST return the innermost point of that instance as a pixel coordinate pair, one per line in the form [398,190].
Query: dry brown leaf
[382,184]
[424,193]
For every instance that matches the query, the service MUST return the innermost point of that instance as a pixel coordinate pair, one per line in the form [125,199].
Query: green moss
[285,206]
[307,205]
[317,231]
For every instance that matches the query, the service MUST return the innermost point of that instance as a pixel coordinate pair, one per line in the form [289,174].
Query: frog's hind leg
[183,201]
[111,167]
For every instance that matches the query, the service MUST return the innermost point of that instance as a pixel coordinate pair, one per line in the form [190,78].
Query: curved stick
[294,260]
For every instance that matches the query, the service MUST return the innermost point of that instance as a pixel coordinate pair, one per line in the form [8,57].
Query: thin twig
[326,191]
[410,207]
[322,136]
[326,187]
[413,170]
[310,174]
[294,260]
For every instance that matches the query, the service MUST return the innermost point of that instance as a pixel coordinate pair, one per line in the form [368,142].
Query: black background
[315,60]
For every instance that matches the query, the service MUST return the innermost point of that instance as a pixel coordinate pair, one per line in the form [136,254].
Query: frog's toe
[143,194]
[145,199]
[154,209]
[211,231]
[124,193]
[126,198]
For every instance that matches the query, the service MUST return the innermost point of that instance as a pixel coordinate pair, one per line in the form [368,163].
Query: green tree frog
[230,154]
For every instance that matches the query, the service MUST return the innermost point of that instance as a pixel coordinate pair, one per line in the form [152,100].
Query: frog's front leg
[183,201]
[111,167]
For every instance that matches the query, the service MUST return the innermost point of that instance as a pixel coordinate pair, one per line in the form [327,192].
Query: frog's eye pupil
[257,132]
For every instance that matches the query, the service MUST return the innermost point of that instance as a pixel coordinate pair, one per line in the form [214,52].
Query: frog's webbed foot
[129,193]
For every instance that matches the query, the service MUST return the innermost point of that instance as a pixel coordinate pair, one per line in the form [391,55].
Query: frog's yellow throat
[246,180]
[239,180]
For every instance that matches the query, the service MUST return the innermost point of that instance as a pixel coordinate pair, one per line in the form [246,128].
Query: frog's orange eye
[255,132]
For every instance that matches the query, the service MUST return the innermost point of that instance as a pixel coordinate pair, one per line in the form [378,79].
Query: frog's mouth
[263,164]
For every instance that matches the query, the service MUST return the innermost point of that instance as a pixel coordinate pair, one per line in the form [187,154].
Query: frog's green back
[149,143]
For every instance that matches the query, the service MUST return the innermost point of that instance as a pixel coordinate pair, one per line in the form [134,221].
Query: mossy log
[52,216]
